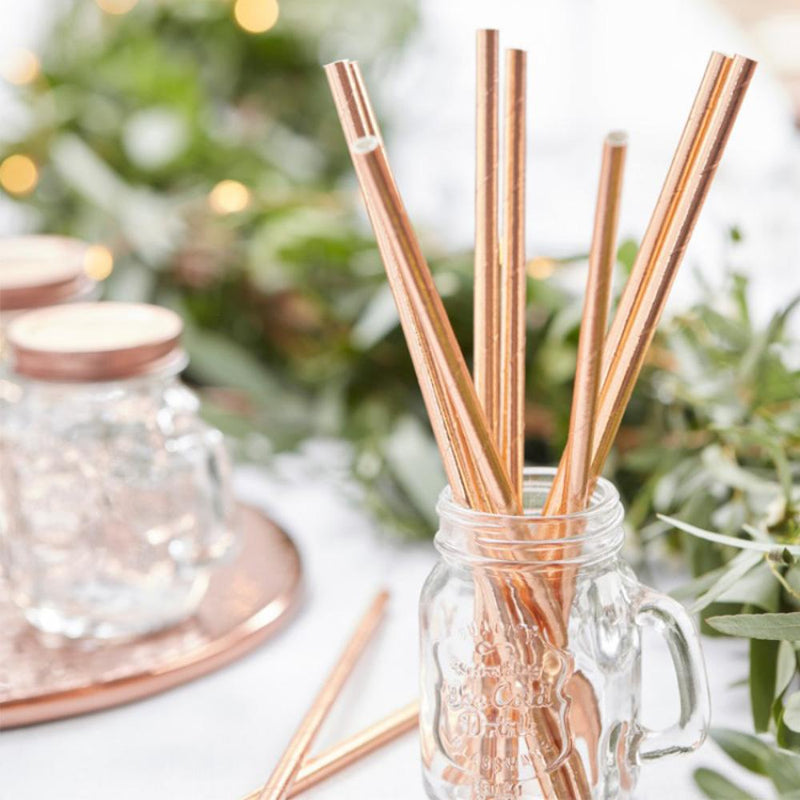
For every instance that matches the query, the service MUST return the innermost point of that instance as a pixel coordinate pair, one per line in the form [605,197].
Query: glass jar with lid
[38,271]
[119,495]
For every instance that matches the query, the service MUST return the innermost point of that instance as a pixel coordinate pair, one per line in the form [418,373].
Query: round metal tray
[247,601]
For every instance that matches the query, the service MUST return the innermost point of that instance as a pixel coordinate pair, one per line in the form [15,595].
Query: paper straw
[279,783]
[487,355]
[626,362]
[350,750]
[416,287]
[512,270]
[602,258]
[686,153]
[688,181]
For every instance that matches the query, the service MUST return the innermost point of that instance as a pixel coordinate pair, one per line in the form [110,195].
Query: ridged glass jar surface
[531,656]
[119,504]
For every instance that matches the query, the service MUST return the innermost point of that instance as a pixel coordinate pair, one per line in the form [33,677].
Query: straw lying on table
[284,774]
[342,755]
[480,433]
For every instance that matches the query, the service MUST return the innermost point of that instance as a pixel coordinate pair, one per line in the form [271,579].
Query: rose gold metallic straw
[279,783]
[626,362]
[685,157]
[693,168]
[487,356]
[399,244]
[602,257]
[434,373]
[352,749]
[486,295]
[513,284]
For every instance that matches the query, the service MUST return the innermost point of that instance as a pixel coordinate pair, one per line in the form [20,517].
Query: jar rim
[605,504]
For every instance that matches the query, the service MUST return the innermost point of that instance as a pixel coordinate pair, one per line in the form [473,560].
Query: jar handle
[671,620]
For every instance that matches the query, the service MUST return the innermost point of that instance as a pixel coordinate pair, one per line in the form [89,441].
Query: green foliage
[753,754]
[735,470]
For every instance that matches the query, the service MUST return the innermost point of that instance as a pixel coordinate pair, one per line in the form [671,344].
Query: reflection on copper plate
[247,601]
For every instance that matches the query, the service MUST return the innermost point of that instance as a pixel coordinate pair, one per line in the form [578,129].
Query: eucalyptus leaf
[784,769]
[736,570]
[774,627]
[786,667]
[758,587]
[731,541]
[791,712]
[697,586]
[763,675]
[415,462]
[717,787]
[745,749]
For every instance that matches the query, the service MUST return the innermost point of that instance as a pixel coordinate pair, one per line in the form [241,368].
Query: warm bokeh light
[18,174]
[541,268]
[22,66]
[116,6]
[256,16]
[228,197]
[98,262]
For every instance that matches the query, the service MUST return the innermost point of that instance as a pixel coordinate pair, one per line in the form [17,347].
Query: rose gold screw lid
[38,271]
[95,342]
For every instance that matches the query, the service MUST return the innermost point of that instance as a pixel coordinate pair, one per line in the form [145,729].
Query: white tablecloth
[217,738]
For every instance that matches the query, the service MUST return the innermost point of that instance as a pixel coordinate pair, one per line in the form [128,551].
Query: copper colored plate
[247,601]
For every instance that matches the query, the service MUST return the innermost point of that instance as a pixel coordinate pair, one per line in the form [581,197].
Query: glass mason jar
[119,495]
[36,271]
[531,632]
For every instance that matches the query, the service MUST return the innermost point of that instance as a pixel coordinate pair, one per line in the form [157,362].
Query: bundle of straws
[478,419]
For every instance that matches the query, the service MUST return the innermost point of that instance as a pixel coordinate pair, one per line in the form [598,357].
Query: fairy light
[229,197]
[18,174]
[98,262]
[116,6]
[256,16]
[541,268]
[22,67]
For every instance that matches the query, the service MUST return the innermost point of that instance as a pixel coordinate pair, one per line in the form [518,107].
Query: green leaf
[779,627]
[745,749]
[763,673]
[757,588]
[719,538]
[786,668]
[737,569]
[695,587]
[414,459]
[792,715]
[718,787]
[784,769]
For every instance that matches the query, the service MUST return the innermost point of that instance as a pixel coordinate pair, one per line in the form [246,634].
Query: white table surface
[217,738]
